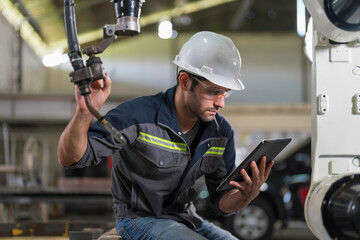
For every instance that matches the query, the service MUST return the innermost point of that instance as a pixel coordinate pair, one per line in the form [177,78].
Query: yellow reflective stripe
[217,153]
[162,145]
[216,150]
[162,142]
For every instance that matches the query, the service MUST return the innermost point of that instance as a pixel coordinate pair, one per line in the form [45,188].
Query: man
[173,138]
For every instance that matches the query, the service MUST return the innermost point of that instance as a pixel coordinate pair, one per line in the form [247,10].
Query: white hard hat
[212,56]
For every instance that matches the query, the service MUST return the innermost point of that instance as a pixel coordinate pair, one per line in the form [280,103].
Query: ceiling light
[165,30]
[55,58]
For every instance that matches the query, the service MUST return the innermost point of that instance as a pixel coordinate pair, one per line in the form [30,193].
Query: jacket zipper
[188,148]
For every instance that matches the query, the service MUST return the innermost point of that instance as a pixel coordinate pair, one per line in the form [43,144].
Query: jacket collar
[167,116]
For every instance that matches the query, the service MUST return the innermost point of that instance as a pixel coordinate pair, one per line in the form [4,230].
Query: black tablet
[269,148]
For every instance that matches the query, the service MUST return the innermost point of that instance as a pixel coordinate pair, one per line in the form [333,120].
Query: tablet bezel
[267,147]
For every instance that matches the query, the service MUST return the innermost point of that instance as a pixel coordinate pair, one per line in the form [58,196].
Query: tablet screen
[269,148]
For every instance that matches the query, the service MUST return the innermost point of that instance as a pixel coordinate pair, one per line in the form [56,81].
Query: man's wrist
[83,115]
[82,111]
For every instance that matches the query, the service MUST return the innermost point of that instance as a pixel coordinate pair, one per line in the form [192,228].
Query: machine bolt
[323,39]
[356,161]
[356,71]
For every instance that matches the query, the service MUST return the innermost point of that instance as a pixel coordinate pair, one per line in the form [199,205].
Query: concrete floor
[297,230]
[294,234]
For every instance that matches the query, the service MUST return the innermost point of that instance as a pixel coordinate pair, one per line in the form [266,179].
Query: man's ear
[184,81]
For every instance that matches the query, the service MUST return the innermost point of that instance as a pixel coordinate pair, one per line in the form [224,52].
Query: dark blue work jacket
[154,174]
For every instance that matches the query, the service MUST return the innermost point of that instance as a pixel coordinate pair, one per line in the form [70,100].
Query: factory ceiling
[45,17]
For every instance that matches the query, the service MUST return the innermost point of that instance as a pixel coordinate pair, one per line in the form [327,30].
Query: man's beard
[195,107]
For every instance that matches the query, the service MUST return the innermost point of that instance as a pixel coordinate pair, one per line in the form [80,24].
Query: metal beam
[44,108]
[19,22]
[53,25]
[41,48]
[149,19]
[60,11]
[24,11]
[240,14]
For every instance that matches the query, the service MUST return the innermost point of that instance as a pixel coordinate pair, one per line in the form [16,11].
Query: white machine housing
[335,122]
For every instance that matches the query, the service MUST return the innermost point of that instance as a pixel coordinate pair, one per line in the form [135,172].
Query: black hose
[91,108]
[104,122]
[71,35]
[73,44]
[78,64]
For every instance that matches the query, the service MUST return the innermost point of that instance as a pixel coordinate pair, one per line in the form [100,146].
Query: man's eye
[213,91]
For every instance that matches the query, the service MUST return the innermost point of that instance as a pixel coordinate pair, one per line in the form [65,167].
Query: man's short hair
[193,83]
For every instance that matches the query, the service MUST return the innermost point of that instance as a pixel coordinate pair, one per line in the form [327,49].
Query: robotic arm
[338,21]
[332,208]
[127,14]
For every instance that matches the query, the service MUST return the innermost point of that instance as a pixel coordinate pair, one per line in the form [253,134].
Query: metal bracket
[81,74]
[99,48]
[125,26]
[91,73]
[340,54]
[323,104]
[356,106]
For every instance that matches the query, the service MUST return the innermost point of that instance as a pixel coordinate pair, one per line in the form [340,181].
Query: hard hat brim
[227,82]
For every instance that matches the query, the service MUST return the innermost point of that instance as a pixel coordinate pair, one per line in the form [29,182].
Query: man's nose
[219,102]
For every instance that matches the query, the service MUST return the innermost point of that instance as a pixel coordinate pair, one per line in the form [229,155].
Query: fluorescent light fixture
[300,18]
[165,29]
[55,58]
